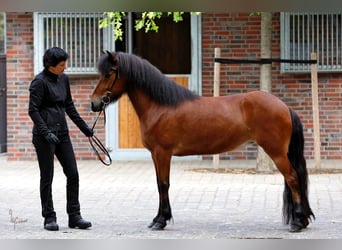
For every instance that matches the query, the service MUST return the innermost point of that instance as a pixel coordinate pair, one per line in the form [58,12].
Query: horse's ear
[110,55]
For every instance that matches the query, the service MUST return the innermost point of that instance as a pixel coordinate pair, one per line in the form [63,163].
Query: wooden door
[129,127]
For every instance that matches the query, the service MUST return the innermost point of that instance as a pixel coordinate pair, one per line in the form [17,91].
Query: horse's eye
[107,76]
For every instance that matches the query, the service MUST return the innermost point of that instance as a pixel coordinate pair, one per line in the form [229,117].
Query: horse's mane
[149,79]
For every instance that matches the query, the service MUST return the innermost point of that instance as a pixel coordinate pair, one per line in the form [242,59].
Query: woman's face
[59,68]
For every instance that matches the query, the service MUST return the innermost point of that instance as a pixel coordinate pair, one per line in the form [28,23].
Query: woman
[50,99]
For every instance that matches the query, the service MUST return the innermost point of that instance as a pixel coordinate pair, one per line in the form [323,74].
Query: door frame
[195,80]
[3,104]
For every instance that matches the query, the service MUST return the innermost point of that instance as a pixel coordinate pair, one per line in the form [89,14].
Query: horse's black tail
[296,157]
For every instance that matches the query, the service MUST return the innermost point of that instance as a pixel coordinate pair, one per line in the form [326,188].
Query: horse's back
[265,99]
[256,104]
[263,105]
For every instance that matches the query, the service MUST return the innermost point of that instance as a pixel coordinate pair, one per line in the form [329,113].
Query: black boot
[76,221]
[50,224]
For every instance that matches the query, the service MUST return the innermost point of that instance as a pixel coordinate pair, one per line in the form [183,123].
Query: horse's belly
[208,144]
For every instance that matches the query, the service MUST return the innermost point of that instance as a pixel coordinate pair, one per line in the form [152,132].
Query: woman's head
[53,56]
[54,60]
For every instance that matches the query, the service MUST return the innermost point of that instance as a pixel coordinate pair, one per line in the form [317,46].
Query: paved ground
[122,199]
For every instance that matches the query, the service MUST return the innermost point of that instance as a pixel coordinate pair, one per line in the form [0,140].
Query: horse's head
[110,86]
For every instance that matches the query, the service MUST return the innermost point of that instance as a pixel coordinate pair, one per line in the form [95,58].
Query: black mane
[148,78]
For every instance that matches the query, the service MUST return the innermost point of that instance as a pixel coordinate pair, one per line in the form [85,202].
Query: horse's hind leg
[301,211]
[286,148]
[162,161]
[295,208]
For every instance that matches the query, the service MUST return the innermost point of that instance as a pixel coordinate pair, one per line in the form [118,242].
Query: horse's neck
[142,104]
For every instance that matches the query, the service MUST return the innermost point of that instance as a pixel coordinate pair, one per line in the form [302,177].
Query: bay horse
[176,122]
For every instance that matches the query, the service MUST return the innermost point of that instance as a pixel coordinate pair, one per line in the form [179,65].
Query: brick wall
[238,36]
[20,73]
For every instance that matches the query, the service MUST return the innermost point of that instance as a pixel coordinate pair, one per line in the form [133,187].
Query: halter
[93,140]
[106,98]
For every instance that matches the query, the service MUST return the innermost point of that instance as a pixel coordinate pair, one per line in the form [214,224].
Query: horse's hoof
[151,224]
[156,226]
[295,228]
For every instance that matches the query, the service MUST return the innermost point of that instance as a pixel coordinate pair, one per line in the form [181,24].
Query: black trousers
[65,154]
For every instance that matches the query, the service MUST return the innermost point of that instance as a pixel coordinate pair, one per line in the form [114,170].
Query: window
[2,32]
[303,33]
[169,49]
[78,34]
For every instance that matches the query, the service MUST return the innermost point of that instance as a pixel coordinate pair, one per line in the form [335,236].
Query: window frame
[40,42]
[317,32]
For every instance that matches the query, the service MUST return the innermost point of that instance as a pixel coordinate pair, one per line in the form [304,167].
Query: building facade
[238,36]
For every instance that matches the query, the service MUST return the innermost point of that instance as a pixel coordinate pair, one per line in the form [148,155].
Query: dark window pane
[169,49]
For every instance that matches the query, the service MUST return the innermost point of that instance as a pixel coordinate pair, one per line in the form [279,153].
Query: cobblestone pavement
[121,200]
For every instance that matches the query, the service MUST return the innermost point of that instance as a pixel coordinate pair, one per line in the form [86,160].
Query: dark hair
[53,56]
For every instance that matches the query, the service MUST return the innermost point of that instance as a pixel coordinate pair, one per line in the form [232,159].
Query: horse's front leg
[162,161]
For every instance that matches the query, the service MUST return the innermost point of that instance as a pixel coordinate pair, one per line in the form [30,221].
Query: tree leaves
[147,21]
[115,19]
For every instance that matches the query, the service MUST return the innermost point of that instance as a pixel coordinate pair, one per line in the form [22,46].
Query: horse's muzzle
[96,107]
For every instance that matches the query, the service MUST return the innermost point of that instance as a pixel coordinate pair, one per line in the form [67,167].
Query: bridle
[106,99]
[95,142]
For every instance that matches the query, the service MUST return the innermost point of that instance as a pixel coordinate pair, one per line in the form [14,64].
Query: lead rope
[96,144]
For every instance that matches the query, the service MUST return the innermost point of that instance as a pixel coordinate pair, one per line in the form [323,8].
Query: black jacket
[50,99]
